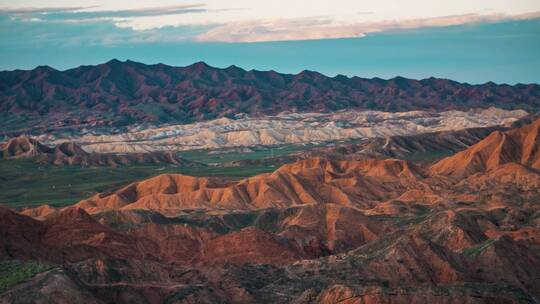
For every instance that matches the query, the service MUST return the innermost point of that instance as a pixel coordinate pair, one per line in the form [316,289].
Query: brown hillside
[311,181]
[520,146]
[71,154]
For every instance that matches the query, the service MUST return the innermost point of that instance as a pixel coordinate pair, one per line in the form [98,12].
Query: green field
[223,156]
[25,183]
[428,156]
[15,272]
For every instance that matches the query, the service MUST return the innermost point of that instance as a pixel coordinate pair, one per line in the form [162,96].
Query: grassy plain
[26,183]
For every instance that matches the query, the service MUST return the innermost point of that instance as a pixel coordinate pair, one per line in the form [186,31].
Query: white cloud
[256,20]
[40,10]
[279,30]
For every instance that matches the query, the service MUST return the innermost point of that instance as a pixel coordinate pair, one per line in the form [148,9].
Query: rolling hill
[71,154]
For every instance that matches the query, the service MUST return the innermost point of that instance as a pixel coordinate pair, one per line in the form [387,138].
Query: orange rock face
[521,146]
[312,181]
[42,212]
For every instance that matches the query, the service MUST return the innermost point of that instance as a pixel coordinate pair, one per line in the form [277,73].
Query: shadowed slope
[71,235]
[71,154]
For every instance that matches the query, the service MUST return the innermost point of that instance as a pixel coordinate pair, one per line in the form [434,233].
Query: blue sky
[487,41]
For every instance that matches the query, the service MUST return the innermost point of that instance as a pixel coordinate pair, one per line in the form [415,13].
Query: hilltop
[71,154]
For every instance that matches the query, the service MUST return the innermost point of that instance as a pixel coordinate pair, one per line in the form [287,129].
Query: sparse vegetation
[413,219]
[25,183]
[15,272]
[223,156]
[478,248]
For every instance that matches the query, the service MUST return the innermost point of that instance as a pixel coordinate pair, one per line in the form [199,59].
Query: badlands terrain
[62,169]
[291,128]
[133,183]
[68,153]
[463,229]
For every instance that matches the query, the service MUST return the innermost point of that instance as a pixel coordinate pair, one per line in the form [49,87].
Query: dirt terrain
[71,154]
[462,230]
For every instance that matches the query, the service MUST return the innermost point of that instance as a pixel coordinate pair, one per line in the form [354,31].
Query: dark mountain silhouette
[122,93]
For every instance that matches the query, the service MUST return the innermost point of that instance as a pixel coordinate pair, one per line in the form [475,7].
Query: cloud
[35,32]
[88,20]
[320,28]
[41,10]
[142,12]
[278,30]
[92,12]
[213,23]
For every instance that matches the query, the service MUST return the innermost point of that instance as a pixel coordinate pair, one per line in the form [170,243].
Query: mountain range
[124,93]
[465,229]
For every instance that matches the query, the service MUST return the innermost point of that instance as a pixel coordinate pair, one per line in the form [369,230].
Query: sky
[469,41]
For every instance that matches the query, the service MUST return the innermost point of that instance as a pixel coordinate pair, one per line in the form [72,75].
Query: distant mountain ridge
[123,93]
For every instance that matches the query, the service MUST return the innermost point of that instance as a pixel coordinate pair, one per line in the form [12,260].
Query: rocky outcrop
[71,154]
[312,181]
[23,147]
[521,146]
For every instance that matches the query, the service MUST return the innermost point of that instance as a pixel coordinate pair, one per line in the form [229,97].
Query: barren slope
[69,153]
[314,231]
[521,146]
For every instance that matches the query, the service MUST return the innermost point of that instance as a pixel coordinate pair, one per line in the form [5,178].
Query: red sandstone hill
[71,154]
[312,181]
[20,236]
[521,146]
[120,93]
[42,212]
[23,147]
[71,235]
[459,254]
[356,183]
